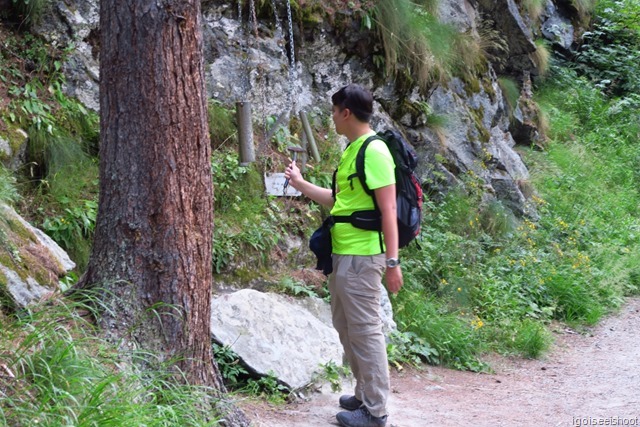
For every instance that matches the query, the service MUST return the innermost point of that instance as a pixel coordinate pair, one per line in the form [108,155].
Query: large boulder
[274,335]
[31,263]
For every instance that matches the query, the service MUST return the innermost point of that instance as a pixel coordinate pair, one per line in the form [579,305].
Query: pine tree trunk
[153,239]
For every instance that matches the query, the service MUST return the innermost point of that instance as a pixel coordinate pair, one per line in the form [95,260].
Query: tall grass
[416,44]
[64,375]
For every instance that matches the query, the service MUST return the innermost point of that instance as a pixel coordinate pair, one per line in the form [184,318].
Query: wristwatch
[392,262]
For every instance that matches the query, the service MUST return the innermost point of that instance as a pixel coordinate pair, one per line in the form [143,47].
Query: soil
[588,378]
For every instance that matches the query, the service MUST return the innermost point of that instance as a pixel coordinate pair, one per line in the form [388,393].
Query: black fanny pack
[366,220]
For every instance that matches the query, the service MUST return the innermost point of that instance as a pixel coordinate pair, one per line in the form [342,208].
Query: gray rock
[274,336]
[556,27]
[13,149]
[33,262]
[76,23]
[23,292]
[515,29]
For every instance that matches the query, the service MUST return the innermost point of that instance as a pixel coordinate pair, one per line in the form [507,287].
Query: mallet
[295,150]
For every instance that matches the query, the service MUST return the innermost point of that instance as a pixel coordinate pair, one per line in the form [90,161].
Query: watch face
[392,262]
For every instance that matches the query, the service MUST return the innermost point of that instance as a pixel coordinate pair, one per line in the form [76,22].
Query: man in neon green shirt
[359,259]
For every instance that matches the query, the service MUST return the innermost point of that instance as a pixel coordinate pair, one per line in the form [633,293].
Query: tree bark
[153,240]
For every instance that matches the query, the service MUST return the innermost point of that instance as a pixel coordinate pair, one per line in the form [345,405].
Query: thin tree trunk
[153,239]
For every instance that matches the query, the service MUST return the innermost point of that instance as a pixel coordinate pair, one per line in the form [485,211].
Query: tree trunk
[153,239]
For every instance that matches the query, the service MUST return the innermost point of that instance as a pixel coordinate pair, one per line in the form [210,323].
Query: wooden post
[245,132]
[309,134]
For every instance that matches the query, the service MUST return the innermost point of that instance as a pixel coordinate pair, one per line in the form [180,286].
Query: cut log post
[245,132]
[309,134]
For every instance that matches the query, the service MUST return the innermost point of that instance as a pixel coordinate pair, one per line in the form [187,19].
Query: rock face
[31,263]
[76,23]
[274,335]
[247,62]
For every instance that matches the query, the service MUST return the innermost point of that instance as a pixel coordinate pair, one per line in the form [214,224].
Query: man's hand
[394,279]
[292,173]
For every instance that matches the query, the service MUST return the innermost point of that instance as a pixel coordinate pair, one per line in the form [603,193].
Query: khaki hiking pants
[355,287]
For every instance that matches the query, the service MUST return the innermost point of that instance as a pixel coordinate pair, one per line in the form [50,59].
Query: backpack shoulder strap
[333,184]
[360,165]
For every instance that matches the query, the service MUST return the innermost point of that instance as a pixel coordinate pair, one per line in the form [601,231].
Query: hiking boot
[350,403]
[360,418]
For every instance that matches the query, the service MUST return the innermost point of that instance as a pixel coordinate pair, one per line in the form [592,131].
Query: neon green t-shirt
[351,197]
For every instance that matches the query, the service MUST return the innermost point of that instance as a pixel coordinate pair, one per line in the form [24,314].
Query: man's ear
[347,113]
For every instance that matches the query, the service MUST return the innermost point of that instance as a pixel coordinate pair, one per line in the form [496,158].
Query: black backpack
[409,195]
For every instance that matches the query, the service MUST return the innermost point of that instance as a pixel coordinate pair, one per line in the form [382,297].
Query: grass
[64,375]
[414,40]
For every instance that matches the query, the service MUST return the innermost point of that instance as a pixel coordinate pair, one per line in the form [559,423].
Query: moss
[249,274]
[16,138]
[472,84]
[41,273]
[477,115]
[487,85]
[18,228]
[6,260]
[6,302]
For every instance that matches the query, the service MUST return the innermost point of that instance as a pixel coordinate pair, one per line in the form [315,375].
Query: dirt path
[586,379]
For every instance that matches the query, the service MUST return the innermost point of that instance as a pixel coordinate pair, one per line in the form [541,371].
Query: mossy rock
[13,146]
[30,262]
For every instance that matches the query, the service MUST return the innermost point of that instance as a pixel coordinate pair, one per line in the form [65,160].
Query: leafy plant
[334,374]
[73,228]
[267,386]
[229,364]
[8,191]
[295,287]
[610,53]
[407,347]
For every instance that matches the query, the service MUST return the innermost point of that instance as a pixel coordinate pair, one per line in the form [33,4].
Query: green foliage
[238,379]
[65,376]
[30,12]
[222,126]
[236,187]
[442,335]
[8,191]
[541,57]
[295,287]
[416,44]
[61,169]
[526,338]
[75,223]
[334,374]
[229,364]
[610,53]
[247,238]
[510,90]
[407,347]
[500,281]
[534,8]
[267,386]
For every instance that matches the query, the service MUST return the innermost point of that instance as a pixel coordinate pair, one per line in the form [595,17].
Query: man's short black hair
[357,99]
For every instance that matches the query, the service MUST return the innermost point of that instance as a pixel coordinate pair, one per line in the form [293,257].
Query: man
[359,260]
